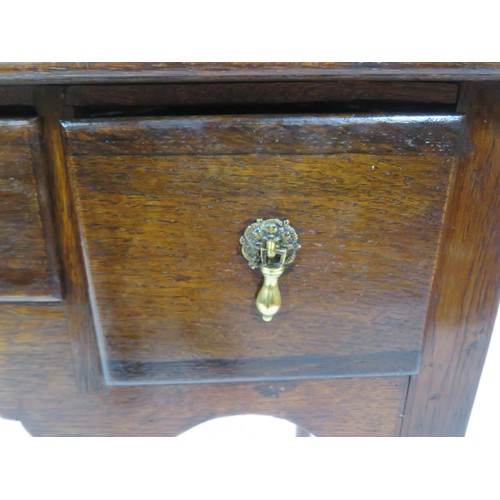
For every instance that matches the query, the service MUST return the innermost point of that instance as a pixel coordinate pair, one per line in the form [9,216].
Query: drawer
[162,204]
[27,264]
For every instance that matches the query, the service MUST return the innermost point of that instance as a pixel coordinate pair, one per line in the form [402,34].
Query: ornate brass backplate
[269,245]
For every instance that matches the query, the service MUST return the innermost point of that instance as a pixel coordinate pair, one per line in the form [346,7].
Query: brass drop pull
[269,245]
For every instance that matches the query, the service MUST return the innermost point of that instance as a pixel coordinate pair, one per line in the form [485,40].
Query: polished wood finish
[87,364]
[270,135]
[51,376]
[164,202]
[28,266]
[467,284]
[41,393]
[180,72]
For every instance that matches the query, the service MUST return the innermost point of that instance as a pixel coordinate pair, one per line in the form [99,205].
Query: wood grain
[28,269]
[38,388]
[467,284]
[22,132]
[50,367]
[175,298]
[87,364]
[85,72]
[229,135]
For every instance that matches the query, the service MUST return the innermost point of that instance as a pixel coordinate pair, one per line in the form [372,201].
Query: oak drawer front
[163,202]
[27,262]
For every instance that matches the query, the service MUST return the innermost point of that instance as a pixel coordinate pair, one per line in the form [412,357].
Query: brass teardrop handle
[269,245]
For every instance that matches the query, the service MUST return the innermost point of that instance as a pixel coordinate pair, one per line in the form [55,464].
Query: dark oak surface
[80,324]
[27,265]
[163,203]
[268,135]
[260,93]
[85,72]
[467,284]
[38,388]
[50,367]
[219,97]
[16,95]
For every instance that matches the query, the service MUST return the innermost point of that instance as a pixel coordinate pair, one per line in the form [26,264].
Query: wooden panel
[175,71]
[229,135]
[174,299]
[38,388]
[28,270]
[231,94]
[467,284]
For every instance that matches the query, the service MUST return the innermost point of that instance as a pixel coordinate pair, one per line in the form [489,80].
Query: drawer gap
[17,112]
[376,108]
